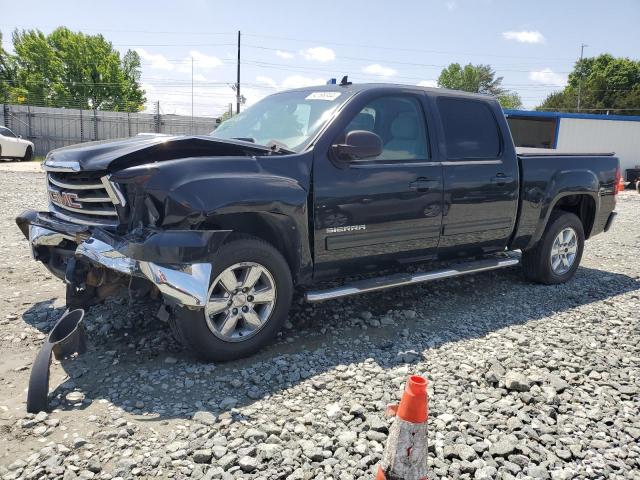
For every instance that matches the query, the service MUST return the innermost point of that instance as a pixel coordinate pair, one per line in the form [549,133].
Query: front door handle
[422,184]
[501,179]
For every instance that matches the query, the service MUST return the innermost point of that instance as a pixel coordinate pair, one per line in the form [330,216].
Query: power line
[99,30]
[291,39]
[404,49]
[392,62]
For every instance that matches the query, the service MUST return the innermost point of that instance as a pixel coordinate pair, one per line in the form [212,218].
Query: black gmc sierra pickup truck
[310,186]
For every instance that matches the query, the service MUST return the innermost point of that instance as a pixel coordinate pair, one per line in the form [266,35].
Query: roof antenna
[345,81]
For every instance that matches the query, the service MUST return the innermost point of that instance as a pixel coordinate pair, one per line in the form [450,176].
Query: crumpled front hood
[113,155]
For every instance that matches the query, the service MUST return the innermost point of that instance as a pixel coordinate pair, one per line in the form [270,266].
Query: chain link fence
[50,128]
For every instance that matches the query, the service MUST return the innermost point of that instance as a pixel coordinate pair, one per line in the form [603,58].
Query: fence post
[129,123]
[95,124]
[158,116]
[81,127]
[5,111]
[29,133]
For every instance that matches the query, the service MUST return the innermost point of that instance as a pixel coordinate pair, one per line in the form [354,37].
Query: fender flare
[564,184]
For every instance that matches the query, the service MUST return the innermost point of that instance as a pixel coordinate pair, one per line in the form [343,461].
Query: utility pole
[191,95]
[580,79]
[238,78]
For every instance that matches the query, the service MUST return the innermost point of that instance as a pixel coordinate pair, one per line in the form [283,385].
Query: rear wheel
[28,155]
[557,256]
[249,300]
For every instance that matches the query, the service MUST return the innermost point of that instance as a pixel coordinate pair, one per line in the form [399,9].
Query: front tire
[249,299]
[28,155]
[557,255]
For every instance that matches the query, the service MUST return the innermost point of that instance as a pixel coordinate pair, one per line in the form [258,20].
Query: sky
[288,44]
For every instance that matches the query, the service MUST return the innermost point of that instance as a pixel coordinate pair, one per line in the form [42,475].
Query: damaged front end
[95,262]
[148,214]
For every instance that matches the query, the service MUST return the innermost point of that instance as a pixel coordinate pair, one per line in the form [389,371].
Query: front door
[388,207]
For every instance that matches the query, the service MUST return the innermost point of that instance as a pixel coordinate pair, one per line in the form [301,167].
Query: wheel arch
[575,191]
[582,205]
[279,230]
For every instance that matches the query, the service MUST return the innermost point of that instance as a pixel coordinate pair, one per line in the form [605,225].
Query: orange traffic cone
[405,455]
[621,185]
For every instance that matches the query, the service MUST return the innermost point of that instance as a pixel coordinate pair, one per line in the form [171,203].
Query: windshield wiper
[245,139]
[278,147]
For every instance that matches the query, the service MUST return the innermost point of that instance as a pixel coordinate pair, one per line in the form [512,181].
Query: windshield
[287,118]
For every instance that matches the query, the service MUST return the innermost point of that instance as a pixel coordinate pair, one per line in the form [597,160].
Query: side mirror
[19,136]
[358,145]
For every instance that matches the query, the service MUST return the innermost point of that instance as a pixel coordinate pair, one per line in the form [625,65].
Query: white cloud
[292,81]
[451,5]
[549,77]
[377,69]
[156,61]
[298,81]
[268,81]
[428,83]
[284,54]
[524,36]
[319,54]
[198,77]
[204,61]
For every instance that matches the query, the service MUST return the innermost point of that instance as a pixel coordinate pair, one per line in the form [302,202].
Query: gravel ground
[526,381]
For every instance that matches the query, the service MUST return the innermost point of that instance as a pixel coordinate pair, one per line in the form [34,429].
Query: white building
[580,132]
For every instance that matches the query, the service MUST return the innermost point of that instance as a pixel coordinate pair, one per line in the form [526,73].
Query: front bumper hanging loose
[184,284]
[177,262]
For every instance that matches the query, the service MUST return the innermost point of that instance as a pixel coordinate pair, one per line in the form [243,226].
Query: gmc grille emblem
[67,199]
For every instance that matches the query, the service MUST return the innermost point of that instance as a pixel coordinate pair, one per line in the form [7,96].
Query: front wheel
[28,155]
[557,255]
[249,300]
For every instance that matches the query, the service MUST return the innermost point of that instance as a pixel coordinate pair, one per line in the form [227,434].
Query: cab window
[6,132]
[399,122]
[470,129]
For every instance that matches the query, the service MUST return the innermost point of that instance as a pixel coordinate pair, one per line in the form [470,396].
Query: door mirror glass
[359,145]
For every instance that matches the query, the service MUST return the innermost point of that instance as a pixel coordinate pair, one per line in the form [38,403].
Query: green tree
[510,100]
[7,74]
[134,95]
[606,84]
[478,79]
[72,69]
[226,115]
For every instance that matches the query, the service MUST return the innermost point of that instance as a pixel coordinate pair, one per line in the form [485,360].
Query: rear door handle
[422,184]
[501,179]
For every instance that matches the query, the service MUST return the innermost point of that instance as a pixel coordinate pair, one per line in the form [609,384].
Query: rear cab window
[470,129]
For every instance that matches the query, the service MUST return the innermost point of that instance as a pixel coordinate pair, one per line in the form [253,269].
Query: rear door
[389,207]
[480,172]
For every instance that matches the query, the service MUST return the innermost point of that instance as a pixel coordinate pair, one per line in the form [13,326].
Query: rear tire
[28,155]
[557,255]
[206,334]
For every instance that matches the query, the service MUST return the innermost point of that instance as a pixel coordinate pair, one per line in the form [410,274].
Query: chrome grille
[81,197]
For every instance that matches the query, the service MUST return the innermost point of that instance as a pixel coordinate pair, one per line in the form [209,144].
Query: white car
[14,146]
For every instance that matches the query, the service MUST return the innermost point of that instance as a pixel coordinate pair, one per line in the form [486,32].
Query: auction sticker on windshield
[322,96]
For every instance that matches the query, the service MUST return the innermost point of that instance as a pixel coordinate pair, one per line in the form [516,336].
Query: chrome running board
[402,279]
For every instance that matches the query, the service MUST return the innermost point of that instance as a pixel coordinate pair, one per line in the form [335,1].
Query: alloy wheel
[564,251]
[241,300]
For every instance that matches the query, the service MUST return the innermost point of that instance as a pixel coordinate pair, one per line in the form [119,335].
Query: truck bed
[552,152]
